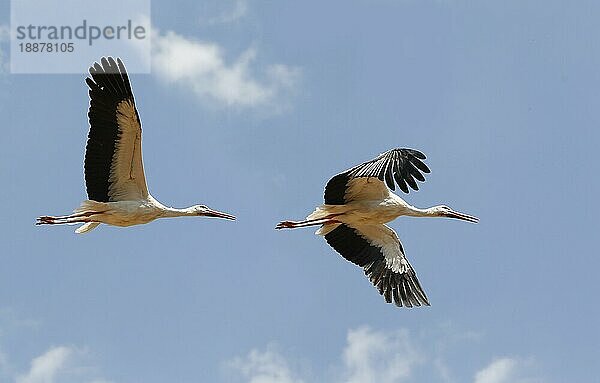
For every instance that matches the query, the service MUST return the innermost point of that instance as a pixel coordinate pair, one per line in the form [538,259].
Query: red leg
[308,222]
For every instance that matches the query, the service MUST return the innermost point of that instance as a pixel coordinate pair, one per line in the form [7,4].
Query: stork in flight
[357,206]
[114,172]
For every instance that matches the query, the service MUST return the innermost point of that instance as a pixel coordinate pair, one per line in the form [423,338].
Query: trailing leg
[308,222]
[80,217]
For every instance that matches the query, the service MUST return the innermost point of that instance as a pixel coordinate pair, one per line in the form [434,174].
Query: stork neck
[418,212]
[172,212]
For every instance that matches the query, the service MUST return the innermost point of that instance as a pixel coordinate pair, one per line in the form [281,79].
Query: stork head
[445,211]
[205,211]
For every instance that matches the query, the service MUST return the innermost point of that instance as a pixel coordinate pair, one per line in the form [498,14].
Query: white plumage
[114,170]
[358,204]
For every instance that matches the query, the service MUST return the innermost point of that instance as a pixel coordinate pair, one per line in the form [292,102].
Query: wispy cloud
[504,370]
[376,356]
[369,357]
[202,68]
[46,367]
[237,11]
[264,367]
[59,365]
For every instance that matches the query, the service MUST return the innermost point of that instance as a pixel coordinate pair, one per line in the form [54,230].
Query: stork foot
[286,225]
[45,220]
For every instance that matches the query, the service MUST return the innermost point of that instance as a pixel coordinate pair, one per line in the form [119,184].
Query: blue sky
[502,97]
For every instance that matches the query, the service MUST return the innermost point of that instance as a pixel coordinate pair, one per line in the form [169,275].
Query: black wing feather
[403,166]
[108,87]
[402,289]
[336,189]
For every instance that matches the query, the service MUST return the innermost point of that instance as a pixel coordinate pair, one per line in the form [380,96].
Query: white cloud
[236,12]
[202,68]
[369,357]
[264,367]
[499,371]
[504,370]
[375,356]
[372,356]
[46,367]
[59,365]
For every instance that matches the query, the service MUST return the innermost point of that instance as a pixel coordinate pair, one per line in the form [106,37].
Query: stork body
[114,171]
[358,204]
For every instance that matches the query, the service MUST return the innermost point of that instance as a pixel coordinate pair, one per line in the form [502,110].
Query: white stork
[358,204]
[114,172]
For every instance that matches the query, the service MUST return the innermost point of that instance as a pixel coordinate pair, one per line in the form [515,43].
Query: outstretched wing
[368,180]
[377,249]
[113,159]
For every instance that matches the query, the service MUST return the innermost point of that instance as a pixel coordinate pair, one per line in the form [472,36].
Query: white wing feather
[127,179]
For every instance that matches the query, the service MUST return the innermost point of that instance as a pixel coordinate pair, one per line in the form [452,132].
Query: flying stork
[114,172]
[358,204]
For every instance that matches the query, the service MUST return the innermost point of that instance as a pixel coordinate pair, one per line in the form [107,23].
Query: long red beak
[462,216]
[218,214]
